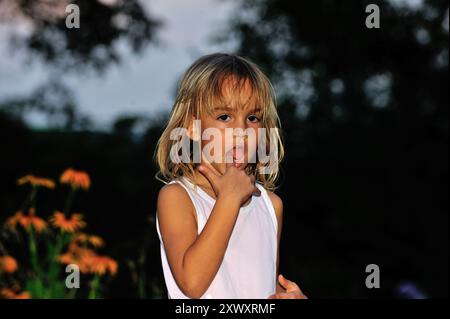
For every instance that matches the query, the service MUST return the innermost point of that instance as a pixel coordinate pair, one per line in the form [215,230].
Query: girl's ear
[194,129]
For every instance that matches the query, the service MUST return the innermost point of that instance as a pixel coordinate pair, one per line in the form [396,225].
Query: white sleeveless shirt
[248,269]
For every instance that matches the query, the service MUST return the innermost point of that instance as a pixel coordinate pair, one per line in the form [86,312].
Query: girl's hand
[235,183]
[292,291]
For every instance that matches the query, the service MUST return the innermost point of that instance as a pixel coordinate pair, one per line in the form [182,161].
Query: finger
[207,163]
[290,286]
[238,164]
[229,161]
[228,165]
[287,284]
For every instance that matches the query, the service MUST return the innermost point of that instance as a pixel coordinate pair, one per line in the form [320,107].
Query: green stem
[72,294]
[38,287]
[69,201]
[33,250]
[33,194]
[29,199]
[3,250]
[95,283]
[142,280]
[142,294]
[54,264]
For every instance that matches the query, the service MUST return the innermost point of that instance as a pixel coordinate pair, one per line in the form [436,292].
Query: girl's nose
[239,132]
[239,136]
[240,127]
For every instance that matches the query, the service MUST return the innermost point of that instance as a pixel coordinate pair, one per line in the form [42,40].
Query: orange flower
[77,179]
[69,225]
[66,258]
[88,260]
[102,264]
[95,241]
[11,294]
[27,220]
[36,181]
[8,264]
[77,255]
[81,238]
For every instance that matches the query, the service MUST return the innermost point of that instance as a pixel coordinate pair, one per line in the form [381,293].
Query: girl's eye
[253,118]
[223,117]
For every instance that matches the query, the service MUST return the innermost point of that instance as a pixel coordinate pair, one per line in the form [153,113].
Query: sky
[141,84]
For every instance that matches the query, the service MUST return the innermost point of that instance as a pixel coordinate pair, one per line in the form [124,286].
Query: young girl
[218,221]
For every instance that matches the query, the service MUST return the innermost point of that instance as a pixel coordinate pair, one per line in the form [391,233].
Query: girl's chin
[239,165]
[223,167]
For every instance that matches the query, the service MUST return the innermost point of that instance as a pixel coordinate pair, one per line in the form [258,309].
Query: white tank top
[248,269]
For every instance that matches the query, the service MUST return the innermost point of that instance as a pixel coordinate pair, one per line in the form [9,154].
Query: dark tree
[94,44]
[365,116]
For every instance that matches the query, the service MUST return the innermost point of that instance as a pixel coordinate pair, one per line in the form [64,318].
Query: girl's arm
[194,258]
[285,289]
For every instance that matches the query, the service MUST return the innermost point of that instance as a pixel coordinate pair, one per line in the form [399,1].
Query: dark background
[365,178]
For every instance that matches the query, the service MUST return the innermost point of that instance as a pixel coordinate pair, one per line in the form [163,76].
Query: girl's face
[231,121]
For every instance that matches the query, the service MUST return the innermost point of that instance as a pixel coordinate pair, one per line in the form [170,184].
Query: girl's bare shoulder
[173,198]
[277,203]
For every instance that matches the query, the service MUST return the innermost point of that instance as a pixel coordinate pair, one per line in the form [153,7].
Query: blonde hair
[198,91]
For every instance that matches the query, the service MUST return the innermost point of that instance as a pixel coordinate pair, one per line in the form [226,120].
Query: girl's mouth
[238,156]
